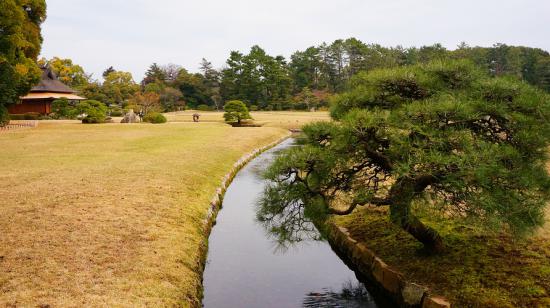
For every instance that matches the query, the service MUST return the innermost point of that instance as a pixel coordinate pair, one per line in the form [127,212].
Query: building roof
[51,95]
[50,83]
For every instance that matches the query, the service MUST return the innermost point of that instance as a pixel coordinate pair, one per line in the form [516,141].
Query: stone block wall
[385,280]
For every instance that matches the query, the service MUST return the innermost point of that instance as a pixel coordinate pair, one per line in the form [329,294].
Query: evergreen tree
[192,87]
[211,82]
[443,137]
[235,112]
[305,69]
[256,78]
[153,74]
[109,70]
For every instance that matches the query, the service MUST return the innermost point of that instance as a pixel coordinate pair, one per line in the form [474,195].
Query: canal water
[245,268]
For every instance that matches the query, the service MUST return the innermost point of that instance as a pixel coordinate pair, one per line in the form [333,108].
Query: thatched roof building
[41,96]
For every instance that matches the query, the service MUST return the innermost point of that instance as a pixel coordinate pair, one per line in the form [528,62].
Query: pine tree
[443,136]
[154,74]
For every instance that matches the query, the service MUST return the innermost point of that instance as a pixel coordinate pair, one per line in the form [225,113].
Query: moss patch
[478,269]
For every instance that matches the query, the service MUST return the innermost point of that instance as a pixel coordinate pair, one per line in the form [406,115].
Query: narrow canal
[245,268]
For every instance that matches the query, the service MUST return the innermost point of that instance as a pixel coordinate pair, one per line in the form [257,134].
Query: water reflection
[286,225]
[352,295]
[288,228]
[285,218]
[244,269]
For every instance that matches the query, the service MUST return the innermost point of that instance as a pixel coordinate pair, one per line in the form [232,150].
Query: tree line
[307,80]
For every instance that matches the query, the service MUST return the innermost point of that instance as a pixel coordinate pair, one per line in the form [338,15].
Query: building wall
[34,106]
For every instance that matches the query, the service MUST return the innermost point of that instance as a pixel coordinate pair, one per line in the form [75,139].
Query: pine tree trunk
[402,194]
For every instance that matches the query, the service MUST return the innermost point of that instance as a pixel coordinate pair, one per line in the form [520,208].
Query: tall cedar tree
[443,136]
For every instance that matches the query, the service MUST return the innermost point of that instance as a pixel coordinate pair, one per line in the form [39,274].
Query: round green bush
[94,111]
[62,109]
[92,120]
[235,112]
[154,117]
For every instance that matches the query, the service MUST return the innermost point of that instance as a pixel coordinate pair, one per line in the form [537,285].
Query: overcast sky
[132,34]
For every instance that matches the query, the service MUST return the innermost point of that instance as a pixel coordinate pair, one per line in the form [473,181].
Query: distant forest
[306,80]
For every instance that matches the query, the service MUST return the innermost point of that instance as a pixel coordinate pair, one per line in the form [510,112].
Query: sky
[132,34]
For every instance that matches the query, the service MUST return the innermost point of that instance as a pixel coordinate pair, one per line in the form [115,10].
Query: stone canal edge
[388,281]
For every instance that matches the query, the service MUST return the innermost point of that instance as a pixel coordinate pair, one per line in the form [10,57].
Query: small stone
[365,259]
[435,302]
[377,269]
[130,117]
[412,294]
[391,280]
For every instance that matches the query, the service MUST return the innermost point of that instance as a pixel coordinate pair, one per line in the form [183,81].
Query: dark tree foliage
[266,82]
[269,82]
[4,116]
[330,66]
[212,82]
[193,89]
[442,135]
[257,79]
[108,71]
[154,73]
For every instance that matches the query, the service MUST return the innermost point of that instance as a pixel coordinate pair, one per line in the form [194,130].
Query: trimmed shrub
[94,111]
[92,120]
[235,112]
[62,109]
[16,117]
[47,117]
[155,118]
[25,116]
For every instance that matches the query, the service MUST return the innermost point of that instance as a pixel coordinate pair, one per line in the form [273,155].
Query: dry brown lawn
[285,119]
[110,215]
